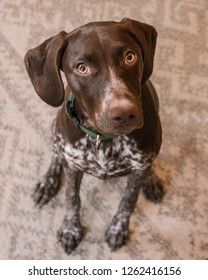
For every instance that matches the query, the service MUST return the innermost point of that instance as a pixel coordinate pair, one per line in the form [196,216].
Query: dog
[108,124]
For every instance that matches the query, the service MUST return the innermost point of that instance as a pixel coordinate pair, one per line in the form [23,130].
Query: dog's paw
[46,189]
[70,235]
[153,189]
[117,234]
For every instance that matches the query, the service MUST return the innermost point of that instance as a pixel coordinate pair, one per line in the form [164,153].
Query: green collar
[70,106]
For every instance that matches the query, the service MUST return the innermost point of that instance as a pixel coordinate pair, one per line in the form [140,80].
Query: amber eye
[82,68]
[130,57]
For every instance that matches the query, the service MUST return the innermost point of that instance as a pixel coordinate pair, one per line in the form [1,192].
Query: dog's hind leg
[49,185]
[152,188]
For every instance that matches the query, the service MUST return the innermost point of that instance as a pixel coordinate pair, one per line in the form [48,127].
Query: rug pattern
[174,229]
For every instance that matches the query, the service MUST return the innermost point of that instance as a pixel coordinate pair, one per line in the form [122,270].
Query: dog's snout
[120,116]
[123,113]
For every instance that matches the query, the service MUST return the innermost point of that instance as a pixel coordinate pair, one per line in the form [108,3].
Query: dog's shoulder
[149,137]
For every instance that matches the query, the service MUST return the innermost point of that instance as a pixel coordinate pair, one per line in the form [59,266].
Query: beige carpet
[175,229]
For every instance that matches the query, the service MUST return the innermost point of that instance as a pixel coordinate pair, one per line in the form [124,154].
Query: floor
[175,229]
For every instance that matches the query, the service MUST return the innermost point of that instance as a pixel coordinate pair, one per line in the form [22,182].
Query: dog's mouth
[104,127]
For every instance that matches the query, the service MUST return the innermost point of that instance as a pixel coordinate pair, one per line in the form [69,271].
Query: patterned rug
[174,229]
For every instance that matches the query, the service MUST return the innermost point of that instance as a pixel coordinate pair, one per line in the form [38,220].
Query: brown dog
[108,124]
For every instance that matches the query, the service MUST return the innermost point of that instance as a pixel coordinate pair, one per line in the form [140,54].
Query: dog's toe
[116,235]
[70,235]
[153,189]
[45,190]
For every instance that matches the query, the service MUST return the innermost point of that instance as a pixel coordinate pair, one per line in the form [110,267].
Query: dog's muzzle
[120,117]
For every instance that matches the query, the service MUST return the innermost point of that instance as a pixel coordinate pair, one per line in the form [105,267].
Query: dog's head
[105,64]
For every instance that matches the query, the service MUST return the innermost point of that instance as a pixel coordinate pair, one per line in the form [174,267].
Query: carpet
[175,229]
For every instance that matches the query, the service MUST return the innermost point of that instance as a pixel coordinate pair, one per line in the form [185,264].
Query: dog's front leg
[71,231]
[117,233]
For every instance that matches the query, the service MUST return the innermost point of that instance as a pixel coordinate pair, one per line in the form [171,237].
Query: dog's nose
[124,113]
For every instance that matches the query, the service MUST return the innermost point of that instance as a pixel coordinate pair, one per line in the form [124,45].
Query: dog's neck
[77,117]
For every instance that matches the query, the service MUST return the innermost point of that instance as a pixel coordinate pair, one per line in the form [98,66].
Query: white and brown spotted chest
[114,157]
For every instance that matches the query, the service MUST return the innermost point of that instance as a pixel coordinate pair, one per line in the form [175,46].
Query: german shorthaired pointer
[108,124]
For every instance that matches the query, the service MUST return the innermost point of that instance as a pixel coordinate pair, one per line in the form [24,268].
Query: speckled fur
[115,157]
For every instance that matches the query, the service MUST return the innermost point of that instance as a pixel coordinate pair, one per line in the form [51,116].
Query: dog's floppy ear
[146,36]
[43,66]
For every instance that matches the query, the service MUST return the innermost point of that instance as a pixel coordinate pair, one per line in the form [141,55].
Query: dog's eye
[82,68]
[130,57]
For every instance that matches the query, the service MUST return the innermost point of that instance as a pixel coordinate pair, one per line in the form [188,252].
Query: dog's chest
[116,157]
